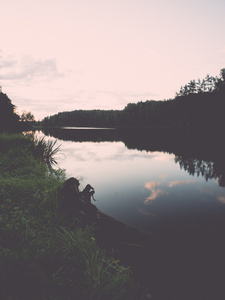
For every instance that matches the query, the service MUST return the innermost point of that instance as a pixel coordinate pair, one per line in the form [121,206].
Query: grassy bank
[41,255]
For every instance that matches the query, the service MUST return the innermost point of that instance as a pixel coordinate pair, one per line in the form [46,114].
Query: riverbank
[42,256]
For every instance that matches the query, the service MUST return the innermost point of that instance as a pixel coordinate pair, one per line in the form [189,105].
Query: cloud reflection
[221,199]
[179,182]
[156,188]
[104,151]
[155,191]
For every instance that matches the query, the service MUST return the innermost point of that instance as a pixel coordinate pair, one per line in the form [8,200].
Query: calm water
[167,187]
[138,187]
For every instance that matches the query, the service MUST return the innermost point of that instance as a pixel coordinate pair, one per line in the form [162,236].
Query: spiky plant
[46,150]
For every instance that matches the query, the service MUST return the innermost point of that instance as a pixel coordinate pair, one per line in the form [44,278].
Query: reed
[45,150]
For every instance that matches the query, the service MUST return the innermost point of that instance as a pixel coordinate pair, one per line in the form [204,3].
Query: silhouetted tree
[208,84]
[27,116]
[9,120]
[197,108]
[220,84]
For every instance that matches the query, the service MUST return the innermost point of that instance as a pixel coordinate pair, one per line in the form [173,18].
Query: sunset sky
[64,55]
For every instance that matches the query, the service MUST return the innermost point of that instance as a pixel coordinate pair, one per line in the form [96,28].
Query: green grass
[41,255]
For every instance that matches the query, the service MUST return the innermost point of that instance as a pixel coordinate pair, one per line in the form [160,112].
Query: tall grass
[45,150]
[41,256]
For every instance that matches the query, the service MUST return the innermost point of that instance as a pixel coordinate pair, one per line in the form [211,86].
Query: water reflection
[141,178]
[161,188]
[180,182]
[197,156]
[166,185]
[83,135]
[155,191]
[207,169]
[221,199]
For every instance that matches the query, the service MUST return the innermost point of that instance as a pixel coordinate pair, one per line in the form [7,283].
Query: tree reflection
[198,155]
[206,169]
[94,135]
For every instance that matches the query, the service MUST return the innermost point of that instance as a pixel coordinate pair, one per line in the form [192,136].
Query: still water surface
[171,186]
[138,187]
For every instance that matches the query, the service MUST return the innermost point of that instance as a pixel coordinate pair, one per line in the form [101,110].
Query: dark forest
[198,106]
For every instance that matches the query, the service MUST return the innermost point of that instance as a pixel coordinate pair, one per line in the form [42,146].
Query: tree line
[96,118]
[199,105]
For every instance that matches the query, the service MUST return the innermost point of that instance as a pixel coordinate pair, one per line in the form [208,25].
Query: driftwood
[77,204]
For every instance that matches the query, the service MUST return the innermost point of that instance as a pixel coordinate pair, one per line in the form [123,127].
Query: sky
[101,54]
